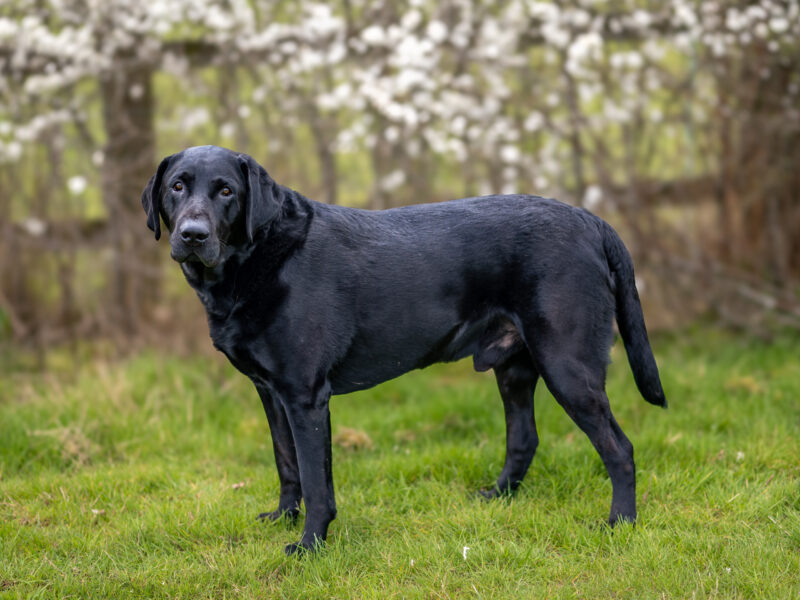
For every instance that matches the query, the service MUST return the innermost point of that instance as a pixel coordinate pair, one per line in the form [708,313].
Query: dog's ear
[151,197]
[261,204]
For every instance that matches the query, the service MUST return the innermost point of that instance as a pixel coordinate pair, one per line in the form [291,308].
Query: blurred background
[678,121]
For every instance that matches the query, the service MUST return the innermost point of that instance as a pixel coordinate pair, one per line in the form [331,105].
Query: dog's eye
[226,191]
[177,186]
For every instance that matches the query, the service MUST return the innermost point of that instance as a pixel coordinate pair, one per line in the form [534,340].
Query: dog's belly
[367,364]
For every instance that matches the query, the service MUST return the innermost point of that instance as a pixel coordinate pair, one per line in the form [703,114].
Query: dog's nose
[194,232]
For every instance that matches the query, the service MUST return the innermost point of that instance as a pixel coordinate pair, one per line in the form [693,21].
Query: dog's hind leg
[285,459]
[573,367]
[516,378]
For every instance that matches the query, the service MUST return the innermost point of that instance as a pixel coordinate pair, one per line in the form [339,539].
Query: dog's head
[210,199]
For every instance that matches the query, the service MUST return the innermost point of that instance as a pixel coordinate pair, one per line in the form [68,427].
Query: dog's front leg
[285,458]
[309,417]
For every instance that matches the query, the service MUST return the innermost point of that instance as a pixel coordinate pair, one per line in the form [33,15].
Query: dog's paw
[289,514]
[494,493]
[488,494]
[300,549]
[296,549]
[621,519]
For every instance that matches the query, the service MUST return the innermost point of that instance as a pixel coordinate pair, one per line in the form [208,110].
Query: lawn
[142,478]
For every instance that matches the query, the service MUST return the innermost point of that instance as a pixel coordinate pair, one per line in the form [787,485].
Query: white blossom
[437,31]
[533,121]
[136,91]
[321,21]
[779,24]
[593,197]
[34,226]
[195,117]
[411,19]
[259,94]
[556,35]
[227,130]
[10,151]
[641,19]
[77,185]
[586,48]
[510,154]
[373,35]
[393,180]
[392,134]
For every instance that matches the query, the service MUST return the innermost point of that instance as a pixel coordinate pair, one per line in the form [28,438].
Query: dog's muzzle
[193,241]
[194,232]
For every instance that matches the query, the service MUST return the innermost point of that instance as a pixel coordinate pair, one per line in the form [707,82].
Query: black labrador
[310,300]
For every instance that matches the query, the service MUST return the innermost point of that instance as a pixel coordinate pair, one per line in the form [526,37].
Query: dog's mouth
[201,255]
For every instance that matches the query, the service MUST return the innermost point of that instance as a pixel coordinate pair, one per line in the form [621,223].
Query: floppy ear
[151,198]
[261,205]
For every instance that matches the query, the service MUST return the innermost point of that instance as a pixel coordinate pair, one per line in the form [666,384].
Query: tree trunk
[129,162]
[325,155]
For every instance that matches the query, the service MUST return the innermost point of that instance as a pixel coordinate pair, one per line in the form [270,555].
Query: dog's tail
[631,320]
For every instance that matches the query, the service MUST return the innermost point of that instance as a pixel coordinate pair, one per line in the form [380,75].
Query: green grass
[119,481]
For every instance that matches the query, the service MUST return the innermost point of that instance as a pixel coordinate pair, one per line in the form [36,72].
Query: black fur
[310,300]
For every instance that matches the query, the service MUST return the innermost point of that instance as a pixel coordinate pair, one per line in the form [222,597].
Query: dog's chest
[229,337]
[225,334]
[239,318]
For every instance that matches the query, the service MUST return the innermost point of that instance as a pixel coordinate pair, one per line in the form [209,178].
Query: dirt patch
[352,439]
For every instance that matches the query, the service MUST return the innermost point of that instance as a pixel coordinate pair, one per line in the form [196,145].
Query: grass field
[143,478]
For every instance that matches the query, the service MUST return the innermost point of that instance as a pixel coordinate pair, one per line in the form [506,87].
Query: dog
[309,299]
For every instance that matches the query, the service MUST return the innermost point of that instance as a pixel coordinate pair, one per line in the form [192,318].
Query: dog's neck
[221,287]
